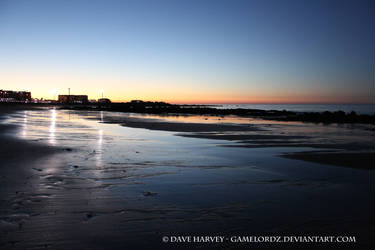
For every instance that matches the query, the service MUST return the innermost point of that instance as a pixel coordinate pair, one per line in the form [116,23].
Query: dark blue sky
[212,51]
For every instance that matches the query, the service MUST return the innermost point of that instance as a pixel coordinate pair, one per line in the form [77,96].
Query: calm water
[359,108]
[118,183]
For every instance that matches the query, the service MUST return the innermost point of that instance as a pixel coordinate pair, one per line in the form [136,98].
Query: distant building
[73,99]
[15,96]
[136,101]
[104,100]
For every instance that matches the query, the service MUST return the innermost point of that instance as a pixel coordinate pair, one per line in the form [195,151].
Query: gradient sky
[193,51]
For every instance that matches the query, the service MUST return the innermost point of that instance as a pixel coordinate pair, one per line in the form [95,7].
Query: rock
[148,193]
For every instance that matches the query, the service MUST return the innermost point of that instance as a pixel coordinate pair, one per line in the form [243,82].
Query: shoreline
[326,117]
[258,136]
[242,135]
[162,108]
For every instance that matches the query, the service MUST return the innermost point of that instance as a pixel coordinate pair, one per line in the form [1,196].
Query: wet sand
[348,152]
[159,124]
[361,160]
[36,212]
[18,156]
[18,174]
[124,188]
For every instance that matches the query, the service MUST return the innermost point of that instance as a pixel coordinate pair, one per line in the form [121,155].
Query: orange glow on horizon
[201,98]
[120,89]
[252,101]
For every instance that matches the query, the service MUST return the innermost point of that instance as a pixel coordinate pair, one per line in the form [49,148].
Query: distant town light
[54,93]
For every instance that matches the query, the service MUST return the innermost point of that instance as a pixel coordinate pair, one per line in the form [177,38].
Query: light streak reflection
[52,127]
[24,125]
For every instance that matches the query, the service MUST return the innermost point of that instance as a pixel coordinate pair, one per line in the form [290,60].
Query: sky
[196,51]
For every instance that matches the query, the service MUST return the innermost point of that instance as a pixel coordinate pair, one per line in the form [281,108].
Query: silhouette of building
[104,100]
[73,99]
[15,96]
[136,101]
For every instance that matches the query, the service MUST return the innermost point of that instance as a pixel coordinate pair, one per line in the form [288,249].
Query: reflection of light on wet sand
[24,126]
[216,119]
[99,152]
[52,127]
[101,116]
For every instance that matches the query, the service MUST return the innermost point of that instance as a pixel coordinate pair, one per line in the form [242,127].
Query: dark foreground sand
[362,160]
[18,168]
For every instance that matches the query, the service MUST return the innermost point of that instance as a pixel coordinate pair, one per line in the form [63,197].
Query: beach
[202,125]
[109,180]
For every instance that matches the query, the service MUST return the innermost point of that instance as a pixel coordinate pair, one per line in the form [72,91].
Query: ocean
[358,108]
